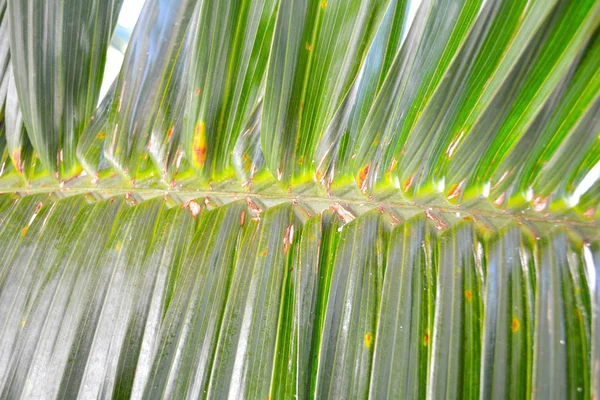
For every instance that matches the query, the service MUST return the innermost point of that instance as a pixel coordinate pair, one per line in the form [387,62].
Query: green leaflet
[349,328]
[405,324]
[90,149]
[330,237]
[247,157]
[172,238]
[71,69]
[110,333]
[165,144]
[435,34]
[562,130]
[463,79]
[595,349]
[577,22]
[243,363]
[193,315]
[228,61]
[513,110]
[4,77]
[15,146]
[317,52]
[562,329]
[18,145]
[507,351]
[295,339]
[456,341]
[4,51]
[118,299]
[334,150]
[491,82]
[498,37]
[150,63]
[25,287]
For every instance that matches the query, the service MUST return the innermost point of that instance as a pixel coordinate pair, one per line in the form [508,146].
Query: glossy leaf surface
[115,299]
[301,199]
[58,50]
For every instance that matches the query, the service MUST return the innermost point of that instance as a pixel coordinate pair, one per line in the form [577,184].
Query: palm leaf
[282,198]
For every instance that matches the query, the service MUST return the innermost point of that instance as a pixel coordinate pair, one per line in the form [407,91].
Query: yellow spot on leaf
[309,47]
[24,231]
[101,135]
[426,338]
[118,246]
[578,315]
[361,179]
[323,4]
[515,324]
[368,340]
[468,295]
[264,252]
[199,154]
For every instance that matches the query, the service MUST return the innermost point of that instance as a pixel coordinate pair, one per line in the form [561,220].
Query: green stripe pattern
[447,101]
[127,298]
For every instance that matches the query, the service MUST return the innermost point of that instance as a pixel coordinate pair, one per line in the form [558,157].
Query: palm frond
[308,198]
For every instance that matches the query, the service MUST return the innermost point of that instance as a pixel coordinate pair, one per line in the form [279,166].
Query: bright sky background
[130,11]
